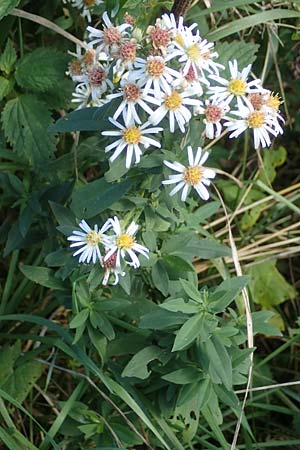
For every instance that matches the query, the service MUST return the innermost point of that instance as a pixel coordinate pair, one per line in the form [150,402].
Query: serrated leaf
[20,383]
[137,366]
[8,58]
[95,197]
[25,122]
[42,276]
[6,6]
[5,87]
[243,52]
[41,70]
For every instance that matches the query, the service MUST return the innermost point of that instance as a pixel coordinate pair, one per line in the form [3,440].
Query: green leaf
[191,290]
[251,21]
[8,357]
[8,58]
[261,323]
[5,87]
[160,277]
[179,305]
[243,52]
[42,69]
[186,375]
[86,119]
[161,319]
[220,367]
[43,276]
[79,319]
[20,383]
[137,366]
[188,332]
[100,321]
[62,214]
[176,266]
[25,122]
[6,6]
[95,197]
[268,287]
[226,292]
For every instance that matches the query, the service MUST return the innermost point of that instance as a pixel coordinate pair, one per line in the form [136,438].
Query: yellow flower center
[179,39]
[256,119]
[237,87]
[132,135]
[125,241]
[173,101]
[274,102]
[194,52]
[93,238]
[155,67]
[193,174]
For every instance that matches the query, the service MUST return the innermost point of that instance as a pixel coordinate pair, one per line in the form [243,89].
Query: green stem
[21,42]
[9,281]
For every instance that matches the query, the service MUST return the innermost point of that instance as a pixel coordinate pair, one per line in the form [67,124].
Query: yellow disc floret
[256,119]
[173,101]
[132,135]
[125,241]
[194,52]
[274,102]
[179,39]
[93,238]
[193,174]
[237,87]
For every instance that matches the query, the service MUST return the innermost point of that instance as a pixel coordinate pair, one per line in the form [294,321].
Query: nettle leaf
[226,292]
[42,276]
[137,366]
[20,383]
[95,197]
[6,6]
[5,87]
[25,122]
[42,69]
[8,58]
[243,52]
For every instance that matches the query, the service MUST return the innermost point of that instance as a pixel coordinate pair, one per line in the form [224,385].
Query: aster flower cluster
[118,243]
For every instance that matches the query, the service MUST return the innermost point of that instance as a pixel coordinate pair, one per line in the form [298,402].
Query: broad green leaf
[186,375]
[8,58]
[220,367]
[6,6]
[161,319]
[20,383]
[86,119]
[42,69]
[262,325]
[188,332]
[8,357]
[95,197]
[138,365]
[101,322]
[25,122]
[176,266]
[226,292]
[62,214]
[5,87]
[251,21]
[179,305]
[160,277]
[79,319]
[243,52]
[268,287]
[191,290]
[43,276]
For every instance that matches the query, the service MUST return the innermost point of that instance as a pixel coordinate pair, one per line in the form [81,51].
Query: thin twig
[269,386]
[48,24]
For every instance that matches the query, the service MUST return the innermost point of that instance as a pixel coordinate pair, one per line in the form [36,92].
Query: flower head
[111,269]
[193,176]
[89,240]
[131,138]
[123,243]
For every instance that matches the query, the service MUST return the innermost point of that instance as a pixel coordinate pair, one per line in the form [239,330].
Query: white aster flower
[271,103]
[214,112]
[193,176]
[123,243]
[153,72]
[261,122]
[97,78]
[110,37]
[236,87]
[194,52]
[86,6]
[131,138]
[89,240]
[133,97]
[174,105]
